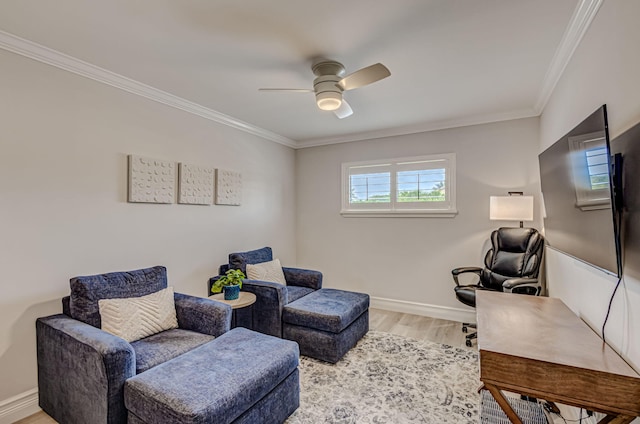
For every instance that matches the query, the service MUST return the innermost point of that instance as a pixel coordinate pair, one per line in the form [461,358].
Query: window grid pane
[370,188]
[597,168]
[426,185]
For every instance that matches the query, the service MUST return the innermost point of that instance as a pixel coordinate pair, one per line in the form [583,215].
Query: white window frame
[586,198]
[445,209]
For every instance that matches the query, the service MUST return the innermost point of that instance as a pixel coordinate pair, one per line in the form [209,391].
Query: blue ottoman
[326,323]
[239,377]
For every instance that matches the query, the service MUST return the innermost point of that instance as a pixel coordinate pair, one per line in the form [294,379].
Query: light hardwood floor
[414,326]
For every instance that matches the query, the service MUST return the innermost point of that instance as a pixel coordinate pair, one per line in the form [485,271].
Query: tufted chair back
[515,252]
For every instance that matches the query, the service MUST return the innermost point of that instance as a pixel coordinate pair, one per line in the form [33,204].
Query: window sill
[399,214]
[585,205]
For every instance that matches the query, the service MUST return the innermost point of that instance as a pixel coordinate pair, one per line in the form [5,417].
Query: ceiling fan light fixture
[329,100]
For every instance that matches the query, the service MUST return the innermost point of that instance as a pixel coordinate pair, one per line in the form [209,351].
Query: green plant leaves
[231,278]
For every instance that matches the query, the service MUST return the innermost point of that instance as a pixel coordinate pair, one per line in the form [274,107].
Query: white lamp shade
[511,208]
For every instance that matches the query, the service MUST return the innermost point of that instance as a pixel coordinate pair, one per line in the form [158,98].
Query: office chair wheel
[468,343]
[464,329]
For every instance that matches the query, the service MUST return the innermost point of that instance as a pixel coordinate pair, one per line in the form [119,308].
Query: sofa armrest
[463,270]
[202,315]
[66,305]
[81,371]
[303,277]
[270,301]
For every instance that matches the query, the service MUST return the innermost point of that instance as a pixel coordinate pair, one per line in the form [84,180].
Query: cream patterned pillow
[267,271]
[134,318]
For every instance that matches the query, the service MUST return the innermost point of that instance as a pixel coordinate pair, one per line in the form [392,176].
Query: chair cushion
[326,309]
[508,263]
[513,239]
[294,293]
[467,294]
[134,318]
[240,260]
[86,291]
[161,347]
[266,271]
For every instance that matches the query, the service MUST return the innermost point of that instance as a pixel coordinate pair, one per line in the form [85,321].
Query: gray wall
[604,69]
[64,142]
[406,262]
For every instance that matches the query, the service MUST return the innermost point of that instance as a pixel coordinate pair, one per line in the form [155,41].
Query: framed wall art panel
[195,184]
[151,180]
[228,187]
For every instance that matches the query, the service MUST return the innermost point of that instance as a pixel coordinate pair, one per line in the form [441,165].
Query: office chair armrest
[457,271]
[513,283]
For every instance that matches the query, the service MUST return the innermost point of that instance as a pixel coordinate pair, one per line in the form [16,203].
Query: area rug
[390,379]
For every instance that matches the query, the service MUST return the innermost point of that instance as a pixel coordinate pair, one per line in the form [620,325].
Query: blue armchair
[82,369]
[271,297]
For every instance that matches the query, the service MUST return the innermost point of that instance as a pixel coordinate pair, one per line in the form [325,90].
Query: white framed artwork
[195,184]
[151,180]
[228,187]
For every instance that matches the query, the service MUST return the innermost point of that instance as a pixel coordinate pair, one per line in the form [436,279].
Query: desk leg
[620,419]
[504,404]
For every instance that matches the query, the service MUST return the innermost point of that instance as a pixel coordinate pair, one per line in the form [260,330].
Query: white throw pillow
[267,271]
[134,318]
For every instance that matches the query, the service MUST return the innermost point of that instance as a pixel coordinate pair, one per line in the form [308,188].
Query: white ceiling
[453,62]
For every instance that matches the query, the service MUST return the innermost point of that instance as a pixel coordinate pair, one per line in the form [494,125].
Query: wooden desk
[537,346]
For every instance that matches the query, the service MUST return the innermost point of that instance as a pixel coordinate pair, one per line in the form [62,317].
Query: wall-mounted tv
[576,180]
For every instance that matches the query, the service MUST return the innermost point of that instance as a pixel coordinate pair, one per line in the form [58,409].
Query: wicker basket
[491,413]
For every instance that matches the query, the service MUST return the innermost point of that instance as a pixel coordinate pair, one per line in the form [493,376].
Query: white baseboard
[18,407]
[424,309]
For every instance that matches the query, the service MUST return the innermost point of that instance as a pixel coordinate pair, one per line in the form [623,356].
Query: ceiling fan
[330,82]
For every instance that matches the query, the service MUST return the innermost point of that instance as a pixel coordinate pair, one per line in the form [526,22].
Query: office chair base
[471,336]
[467,325]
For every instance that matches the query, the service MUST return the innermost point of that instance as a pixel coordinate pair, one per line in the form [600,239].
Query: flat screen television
[576,180]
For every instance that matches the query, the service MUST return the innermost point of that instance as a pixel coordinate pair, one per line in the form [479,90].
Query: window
[589,157]
[417,186]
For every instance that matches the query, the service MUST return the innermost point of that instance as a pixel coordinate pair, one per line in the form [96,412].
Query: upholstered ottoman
[240,377]
[326,323]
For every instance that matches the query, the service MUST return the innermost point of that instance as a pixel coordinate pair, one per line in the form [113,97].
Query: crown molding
[419,128]
[26,48]
[580,21]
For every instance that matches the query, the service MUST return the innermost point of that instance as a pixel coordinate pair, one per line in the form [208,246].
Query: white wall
[64,142]
[604,69]
[410,259]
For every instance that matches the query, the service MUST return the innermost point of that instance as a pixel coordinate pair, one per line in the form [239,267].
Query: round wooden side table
[244,299]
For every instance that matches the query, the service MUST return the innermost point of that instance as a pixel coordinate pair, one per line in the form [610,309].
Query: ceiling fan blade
[344,110]
[293,90]
[364,76]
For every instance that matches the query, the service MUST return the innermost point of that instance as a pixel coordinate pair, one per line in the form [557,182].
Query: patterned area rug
[390,379]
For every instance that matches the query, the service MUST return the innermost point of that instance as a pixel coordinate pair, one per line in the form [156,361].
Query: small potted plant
[230,283]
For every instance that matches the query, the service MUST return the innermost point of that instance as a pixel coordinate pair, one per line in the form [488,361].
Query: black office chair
[511,265]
